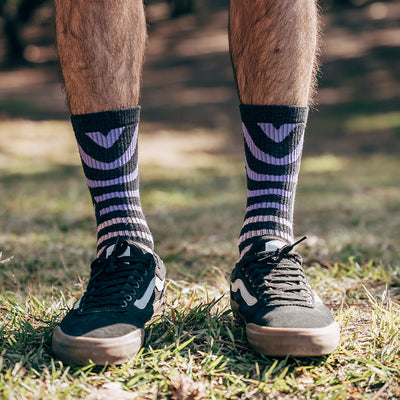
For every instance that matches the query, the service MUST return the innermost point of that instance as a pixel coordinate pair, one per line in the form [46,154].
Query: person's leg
[101,47]
[273,46]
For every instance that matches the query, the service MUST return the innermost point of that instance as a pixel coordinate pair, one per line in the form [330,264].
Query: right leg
[101,45]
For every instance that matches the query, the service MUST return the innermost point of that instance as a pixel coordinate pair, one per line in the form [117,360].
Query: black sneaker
[283,316]
[125,291]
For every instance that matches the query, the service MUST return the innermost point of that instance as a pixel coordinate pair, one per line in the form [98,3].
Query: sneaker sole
[82,350]
[297,342]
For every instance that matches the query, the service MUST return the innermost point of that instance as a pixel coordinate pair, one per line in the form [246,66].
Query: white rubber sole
[297,342]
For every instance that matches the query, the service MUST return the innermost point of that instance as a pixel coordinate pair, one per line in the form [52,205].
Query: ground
[192,186]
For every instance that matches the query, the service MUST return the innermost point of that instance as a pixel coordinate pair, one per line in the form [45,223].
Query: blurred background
[191,142]
[188,79]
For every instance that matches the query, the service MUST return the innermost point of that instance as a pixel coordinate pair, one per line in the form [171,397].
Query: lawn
[193,194]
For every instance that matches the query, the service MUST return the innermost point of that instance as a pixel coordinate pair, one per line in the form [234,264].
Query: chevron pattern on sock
[273,142]
[107,144]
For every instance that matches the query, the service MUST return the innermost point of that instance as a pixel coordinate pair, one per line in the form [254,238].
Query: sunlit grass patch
[323,164]
[373,122]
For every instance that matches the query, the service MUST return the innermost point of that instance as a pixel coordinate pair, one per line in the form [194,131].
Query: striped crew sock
[107,143]
[273,139]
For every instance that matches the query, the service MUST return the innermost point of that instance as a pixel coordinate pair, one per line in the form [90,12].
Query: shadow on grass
[54,174]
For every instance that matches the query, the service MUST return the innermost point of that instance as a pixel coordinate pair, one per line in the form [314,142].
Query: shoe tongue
[274,245]
[267,244]
[131,250]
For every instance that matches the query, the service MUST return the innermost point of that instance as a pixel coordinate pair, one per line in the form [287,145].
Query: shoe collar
[125,248]
[267,244]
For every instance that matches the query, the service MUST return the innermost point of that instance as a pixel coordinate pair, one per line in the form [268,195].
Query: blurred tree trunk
[180,7]
[14,43]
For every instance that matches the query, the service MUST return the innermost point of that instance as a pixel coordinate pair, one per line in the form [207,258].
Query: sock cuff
[277,115]
[104,121]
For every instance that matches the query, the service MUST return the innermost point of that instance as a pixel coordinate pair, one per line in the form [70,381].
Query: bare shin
[101,46]
[273,49]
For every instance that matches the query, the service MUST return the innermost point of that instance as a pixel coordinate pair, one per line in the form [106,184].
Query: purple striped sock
[107,143]
[273,140]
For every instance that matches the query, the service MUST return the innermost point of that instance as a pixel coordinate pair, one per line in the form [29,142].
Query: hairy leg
[273,49]
[101,46]
[273,46]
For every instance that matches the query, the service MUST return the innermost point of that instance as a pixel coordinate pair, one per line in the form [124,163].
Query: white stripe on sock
[266,218]
[127,220]
[126,234]
[263,232]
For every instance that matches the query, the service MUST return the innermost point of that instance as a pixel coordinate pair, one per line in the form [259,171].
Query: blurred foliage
[180,7]
[16,14]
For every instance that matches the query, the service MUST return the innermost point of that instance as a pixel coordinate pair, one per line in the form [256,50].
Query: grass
[348,206]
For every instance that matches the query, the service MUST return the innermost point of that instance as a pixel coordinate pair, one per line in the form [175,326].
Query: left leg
[273,47]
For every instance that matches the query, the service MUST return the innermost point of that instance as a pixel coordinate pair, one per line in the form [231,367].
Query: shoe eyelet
[124,304]
[128,297]
[136,285]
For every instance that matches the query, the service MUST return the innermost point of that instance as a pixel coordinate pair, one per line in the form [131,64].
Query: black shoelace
[277,276]
[114,280]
